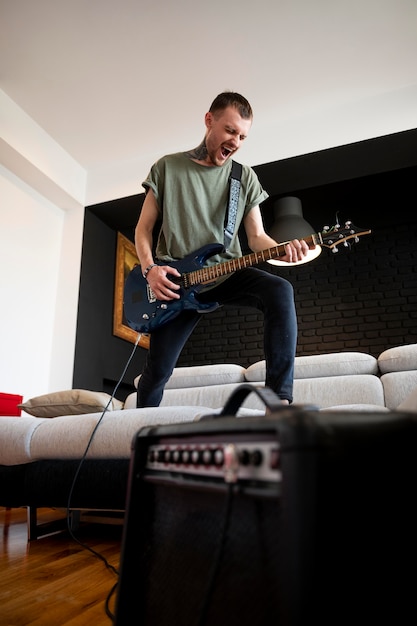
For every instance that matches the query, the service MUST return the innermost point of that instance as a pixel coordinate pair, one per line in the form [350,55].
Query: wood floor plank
[54,581]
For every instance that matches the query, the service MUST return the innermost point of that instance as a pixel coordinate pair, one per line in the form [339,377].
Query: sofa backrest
[322,365]
[324,380]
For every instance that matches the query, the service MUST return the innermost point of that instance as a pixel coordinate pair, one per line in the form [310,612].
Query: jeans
[249,287]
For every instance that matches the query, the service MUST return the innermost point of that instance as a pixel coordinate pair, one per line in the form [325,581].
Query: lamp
[289,224]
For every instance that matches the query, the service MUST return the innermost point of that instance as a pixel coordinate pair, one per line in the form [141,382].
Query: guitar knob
[164,306]
[334,250]
[145,316]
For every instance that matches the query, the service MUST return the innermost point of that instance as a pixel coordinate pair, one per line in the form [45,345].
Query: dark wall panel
[100,357]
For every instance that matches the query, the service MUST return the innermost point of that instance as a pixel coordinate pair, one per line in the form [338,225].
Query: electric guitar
[144,313]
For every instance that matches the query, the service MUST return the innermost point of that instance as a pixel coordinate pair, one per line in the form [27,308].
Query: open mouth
[226,152]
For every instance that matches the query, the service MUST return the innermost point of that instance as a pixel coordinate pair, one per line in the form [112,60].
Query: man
[188,192]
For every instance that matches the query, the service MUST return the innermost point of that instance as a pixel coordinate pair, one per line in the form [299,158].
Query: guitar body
[144,313]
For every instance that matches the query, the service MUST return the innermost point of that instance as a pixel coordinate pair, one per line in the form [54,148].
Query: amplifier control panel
[230,460]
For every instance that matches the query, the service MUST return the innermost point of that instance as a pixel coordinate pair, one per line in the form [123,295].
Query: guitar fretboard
[209,274]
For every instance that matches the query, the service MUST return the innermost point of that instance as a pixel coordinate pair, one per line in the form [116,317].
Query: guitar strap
[231,213]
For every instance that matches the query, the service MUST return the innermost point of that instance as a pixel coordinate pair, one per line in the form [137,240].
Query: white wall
[42,193]
[30,248]
[322,127]
[39,290]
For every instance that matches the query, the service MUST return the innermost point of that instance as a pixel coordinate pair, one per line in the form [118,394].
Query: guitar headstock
[333,236]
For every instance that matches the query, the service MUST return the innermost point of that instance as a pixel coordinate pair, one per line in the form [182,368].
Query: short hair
[233,99]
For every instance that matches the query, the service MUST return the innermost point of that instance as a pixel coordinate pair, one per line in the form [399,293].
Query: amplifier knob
[196,457]
[185,456]
[176,456]
[208,456]
[244,457]
[256,458]
[218,457]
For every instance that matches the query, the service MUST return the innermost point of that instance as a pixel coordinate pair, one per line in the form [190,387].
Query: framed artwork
[126,260]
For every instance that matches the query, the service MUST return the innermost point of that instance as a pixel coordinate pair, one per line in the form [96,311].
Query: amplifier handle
[269,397]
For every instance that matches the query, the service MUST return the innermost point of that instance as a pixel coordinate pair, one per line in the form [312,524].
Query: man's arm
[259,240]
[144,230]
[161,285]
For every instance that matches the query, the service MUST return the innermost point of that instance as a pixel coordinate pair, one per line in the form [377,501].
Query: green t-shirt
[193,199]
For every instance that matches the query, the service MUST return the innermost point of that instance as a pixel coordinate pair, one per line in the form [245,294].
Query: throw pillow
[70,402]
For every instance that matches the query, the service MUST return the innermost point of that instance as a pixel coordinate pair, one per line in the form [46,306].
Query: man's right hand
[160,281]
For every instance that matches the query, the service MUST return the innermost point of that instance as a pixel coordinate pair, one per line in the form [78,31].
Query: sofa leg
[71,521]
[74,519]
[32,523]
[36,530]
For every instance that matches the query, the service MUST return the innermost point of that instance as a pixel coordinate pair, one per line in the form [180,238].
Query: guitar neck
[208,274]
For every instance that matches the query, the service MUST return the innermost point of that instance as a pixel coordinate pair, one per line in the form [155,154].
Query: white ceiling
[118,83]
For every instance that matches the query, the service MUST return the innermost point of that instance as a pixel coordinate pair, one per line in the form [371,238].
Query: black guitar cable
[218,558]
[68,516]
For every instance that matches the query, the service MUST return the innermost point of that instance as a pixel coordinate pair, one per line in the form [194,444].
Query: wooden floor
[55,581]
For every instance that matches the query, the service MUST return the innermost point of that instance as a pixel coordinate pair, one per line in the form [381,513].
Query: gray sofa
[347,380]
[40,452]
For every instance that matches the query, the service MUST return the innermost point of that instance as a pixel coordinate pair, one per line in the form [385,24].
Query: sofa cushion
[319,365]
[15,437]
[357,408]
[398,359]
[335,364]
[70,402]
[113,437]
[398,386]
[204,375]
[410,403]
[215,396]
[334,391]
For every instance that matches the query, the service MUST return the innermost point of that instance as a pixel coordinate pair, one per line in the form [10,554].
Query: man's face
[225,132]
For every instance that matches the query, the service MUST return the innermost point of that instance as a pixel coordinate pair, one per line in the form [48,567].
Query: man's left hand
[295,251]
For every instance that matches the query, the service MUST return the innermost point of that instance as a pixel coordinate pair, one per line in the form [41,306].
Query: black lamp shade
[289,224]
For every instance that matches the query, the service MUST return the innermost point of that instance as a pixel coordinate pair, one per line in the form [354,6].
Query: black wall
[100,357]
[362,298]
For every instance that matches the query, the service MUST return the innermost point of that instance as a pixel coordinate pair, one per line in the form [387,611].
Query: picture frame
[126,260]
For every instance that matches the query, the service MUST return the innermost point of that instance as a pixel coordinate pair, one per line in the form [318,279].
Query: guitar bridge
[150,294]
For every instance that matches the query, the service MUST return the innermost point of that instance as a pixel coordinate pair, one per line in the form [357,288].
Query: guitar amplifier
[297,517]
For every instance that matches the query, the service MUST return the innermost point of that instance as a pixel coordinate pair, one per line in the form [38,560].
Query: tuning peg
[334,250]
